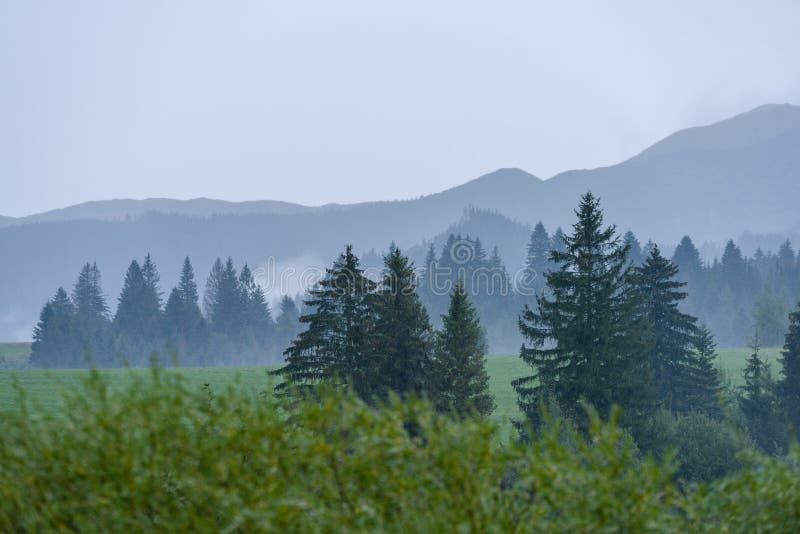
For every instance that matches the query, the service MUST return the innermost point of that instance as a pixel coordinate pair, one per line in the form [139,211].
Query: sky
[317,102]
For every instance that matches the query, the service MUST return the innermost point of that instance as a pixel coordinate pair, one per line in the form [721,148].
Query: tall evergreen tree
[459,381]
[557,241]
[337,344]
[138,313]
[227,305]
[288,322]
[92,324]
[672,333]
[704,383]
[54,343]
[152,280]
[789,384]
[184,325]
[402,330]
[577,338]
[635,248]
[212,287]
[537,260]
[760,405]
[258,324]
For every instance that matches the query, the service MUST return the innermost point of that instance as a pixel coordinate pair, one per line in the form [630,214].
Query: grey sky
[340,101]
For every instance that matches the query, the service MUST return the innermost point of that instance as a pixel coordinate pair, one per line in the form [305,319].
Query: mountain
[711,182]
[124,209]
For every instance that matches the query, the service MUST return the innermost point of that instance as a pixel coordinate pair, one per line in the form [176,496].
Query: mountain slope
[713,182]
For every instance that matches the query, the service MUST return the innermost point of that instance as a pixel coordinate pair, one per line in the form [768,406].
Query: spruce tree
[687,258]
[557,241]
[258,325]
[789,384]
[184,325]
[635,248]
[537,260]
[336,347]
[760,406]
[578,343]
[459,381]
[137,323]
[402,330]
[227,304]
[705,384]
[288,323]
[92,325]
[672,333]
[54,344]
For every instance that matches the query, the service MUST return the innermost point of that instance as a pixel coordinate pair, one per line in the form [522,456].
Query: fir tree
[212,287]
[137,323]
[402,330]
[54,343]
[459,379]
[578,344]
[635,248]
[537,260]
[258,324]
[760,406]
[789,384]
[184,325]
[337,345]
[558,243]
[92,325]
[288,322]
[226,305]
[704,384]
[672,333]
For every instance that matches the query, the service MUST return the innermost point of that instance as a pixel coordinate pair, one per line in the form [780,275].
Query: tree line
[235,325]
[602,331]
[376,339]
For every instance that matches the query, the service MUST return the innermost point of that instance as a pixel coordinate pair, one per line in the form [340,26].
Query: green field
[44,387]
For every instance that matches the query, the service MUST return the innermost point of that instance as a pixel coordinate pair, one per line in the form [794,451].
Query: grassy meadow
[44,387]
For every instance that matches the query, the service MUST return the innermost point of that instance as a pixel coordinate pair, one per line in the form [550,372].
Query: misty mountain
[712,182]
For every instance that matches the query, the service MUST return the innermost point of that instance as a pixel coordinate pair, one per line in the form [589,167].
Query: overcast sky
[338,101]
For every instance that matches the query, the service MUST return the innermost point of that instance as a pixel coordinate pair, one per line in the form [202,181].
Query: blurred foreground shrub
[160,456]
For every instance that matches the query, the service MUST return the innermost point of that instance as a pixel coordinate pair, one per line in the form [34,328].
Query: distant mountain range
[712,182]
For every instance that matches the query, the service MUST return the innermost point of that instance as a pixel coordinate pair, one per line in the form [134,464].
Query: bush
[159,456]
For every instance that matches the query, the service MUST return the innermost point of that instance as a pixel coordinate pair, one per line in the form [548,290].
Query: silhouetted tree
[789,384]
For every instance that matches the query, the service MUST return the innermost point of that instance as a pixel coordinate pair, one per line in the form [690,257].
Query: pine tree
[152,281]
[137,323]
[537,260]
[577,342]
[558,243]
[760,406]
[54,343]
[459,381]
[337,344]
[402,330]
[789,384]
[212,287]
[672,333]
[635,248]
[288,323]
[184,325]
[705,383]
[226,304]
[92,325]
[258,325]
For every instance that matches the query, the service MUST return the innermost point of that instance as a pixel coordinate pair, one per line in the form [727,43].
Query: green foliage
[460,383]
[160,455]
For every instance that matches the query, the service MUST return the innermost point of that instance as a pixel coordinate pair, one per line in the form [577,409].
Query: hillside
[713,182]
